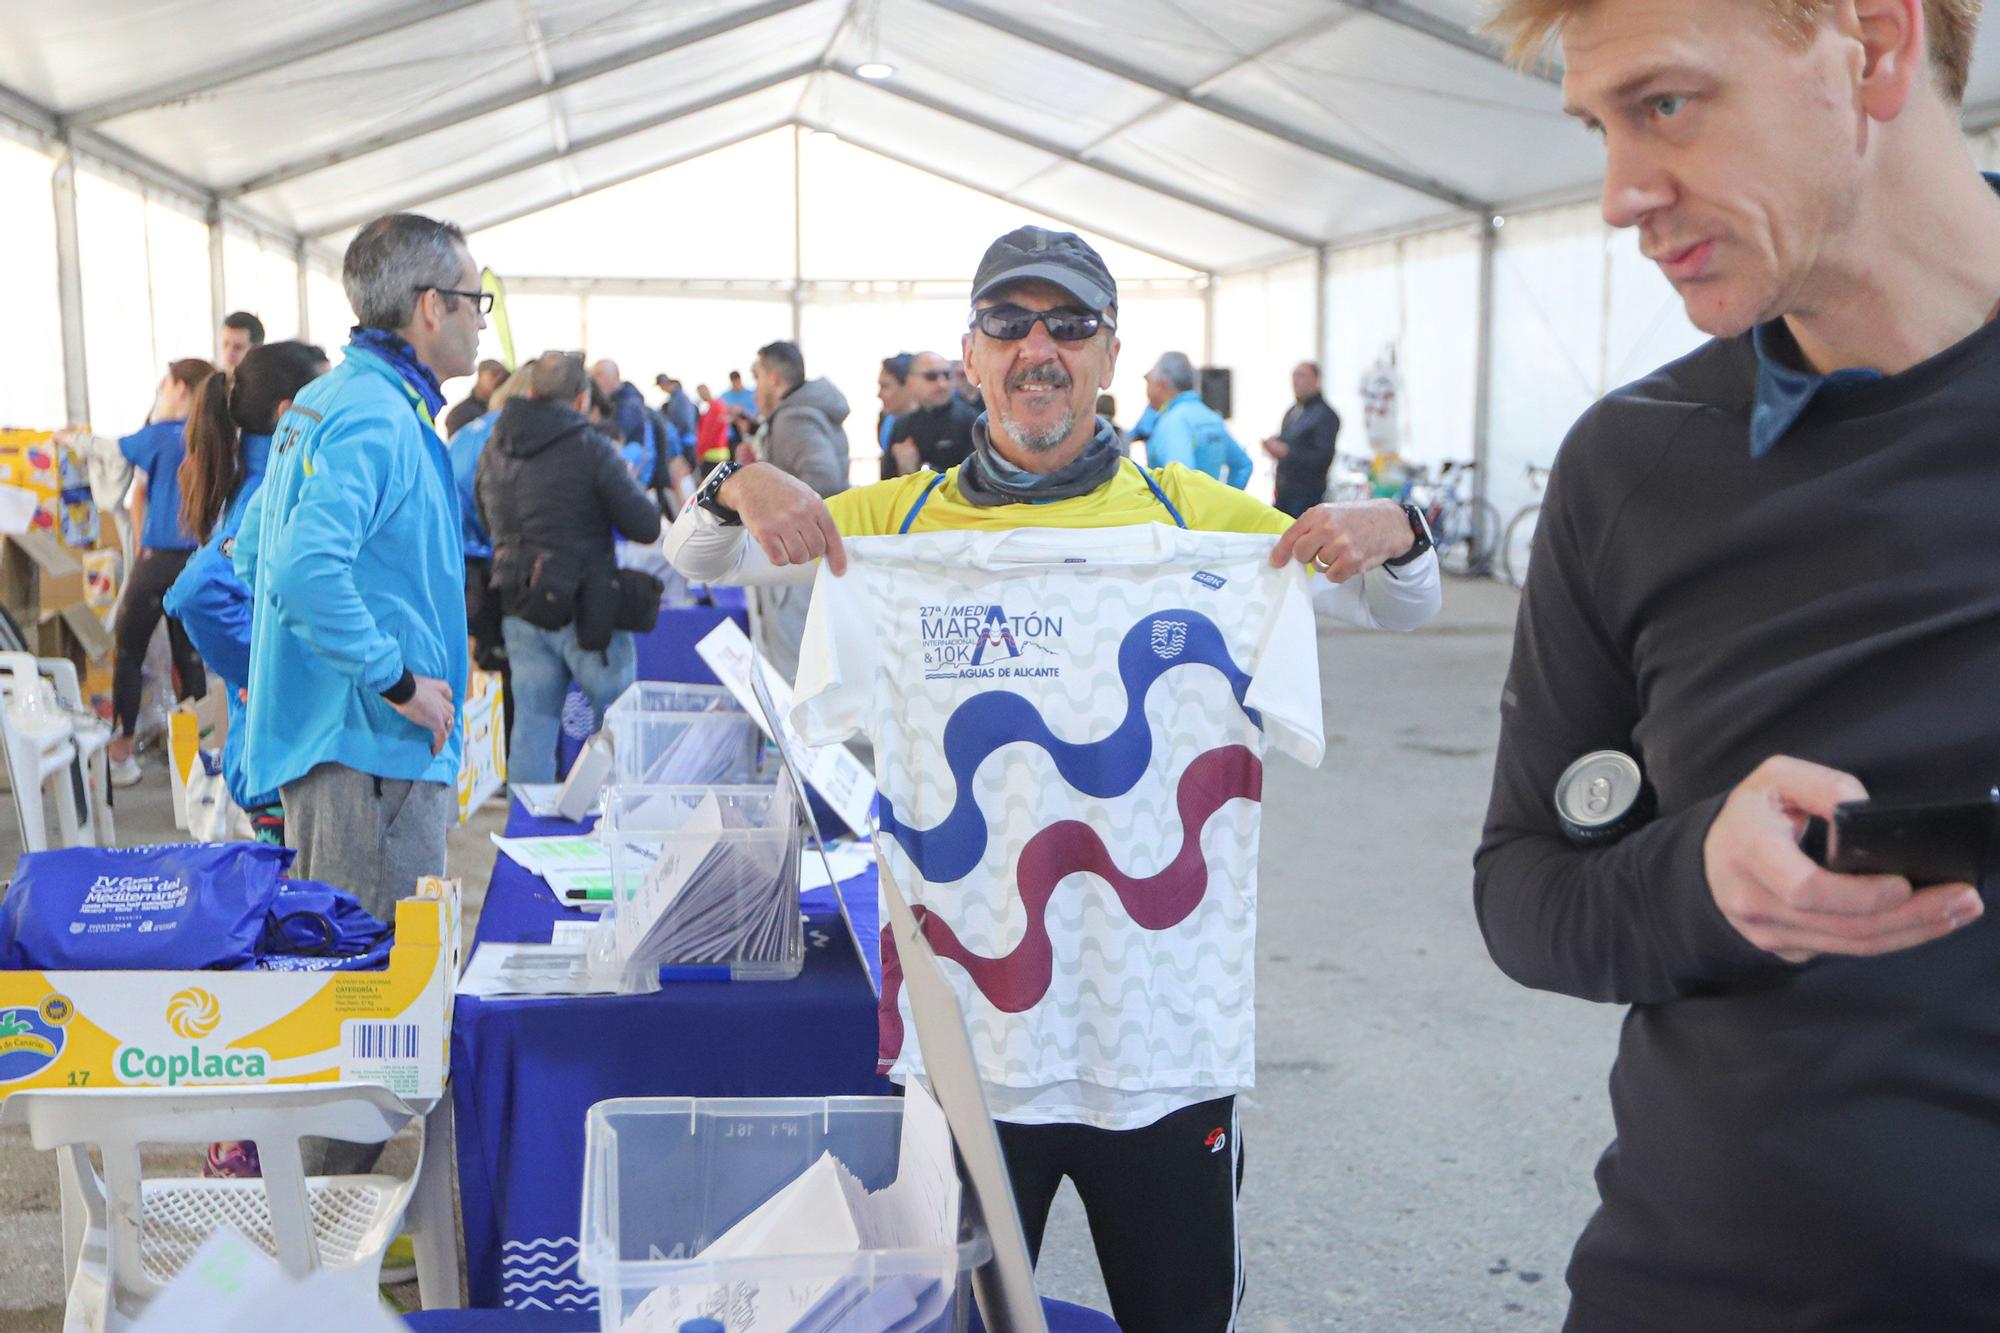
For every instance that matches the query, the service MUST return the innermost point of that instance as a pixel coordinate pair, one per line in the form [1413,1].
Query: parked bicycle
[1465,528]
[1520,540]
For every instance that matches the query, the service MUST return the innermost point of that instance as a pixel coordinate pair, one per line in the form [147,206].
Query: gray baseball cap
[1060,257]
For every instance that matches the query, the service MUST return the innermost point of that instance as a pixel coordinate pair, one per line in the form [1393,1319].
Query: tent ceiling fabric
[1222,136]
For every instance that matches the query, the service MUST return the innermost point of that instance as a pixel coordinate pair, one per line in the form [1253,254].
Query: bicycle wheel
[1471,532]
[1520,542]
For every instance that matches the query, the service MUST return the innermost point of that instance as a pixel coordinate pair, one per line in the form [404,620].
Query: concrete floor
[1420,1142]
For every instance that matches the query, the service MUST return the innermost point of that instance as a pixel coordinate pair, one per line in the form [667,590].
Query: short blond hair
[1528,27]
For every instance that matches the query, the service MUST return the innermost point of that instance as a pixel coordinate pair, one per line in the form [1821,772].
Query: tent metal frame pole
[1217,106]
[1482,393]
[69,288]
[1417,20]
[1053,149]
[218,291]
[1208,320]
[442,189]
[1319,306]
[302,260]
[545,85]
[798,236]
[338,37]
[993,192]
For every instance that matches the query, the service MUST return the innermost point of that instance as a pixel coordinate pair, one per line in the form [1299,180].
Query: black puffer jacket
[553,492]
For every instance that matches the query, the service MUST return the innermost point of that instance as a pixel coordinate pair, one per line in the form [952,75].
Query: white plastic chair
[40,743]
[125,1237]
[93,748]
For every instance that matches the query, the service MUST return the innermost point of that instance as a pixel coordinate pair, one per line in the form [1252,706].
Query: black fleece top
[1798,1147]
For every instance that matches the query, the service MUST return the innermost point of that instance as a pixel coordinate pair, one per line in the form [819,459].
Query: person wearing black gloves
[1749,577]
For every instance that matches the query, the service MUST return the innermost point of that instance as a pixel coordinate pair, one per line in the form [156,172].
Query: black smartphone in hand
[1938,842]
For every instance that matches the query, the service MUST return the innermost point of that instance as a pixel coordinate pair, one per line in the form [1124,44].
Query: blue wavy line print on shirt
[949,849]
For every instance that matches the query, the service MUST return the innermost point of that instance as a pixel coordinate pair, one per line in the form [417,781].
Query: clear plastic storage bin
[704,877]
[665,1176]
[666,732]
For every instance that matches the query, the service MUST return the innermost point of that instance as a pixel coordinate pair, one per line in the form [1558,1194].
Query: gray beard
[1041,441]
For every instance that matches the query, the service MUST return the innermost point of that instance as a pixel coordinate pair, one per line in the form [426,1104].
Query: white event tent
[674,182]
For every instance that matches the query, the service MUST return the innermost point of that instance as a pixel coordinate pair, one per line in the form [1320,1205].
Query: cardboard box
[38,577]
[482,772]
[59,480]
[182,1029]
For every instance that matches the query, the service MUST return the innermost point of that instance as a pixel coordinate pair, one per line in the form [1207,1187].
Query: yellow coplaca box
[193,1029]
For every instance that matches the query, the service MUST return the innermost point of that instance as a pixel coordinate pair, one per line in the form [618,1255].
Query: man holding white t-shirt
[957,636]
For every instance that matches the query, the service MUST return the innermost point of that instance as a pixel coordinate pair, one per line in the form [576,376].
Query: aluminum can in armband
[1602,797]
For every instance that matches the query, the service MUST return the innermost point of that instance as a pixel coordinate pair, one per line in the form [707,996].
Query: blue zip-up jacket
[465,448]
[213,607]
[356,572]
[1189,432]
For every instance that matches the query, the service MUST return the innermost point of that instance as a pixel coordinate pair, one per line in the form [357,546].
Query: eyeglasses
[1011,323]
[481,301]
[935,375]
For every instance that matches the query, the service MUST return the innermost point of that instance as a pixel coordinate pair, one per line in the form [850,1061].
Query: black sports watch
[1418,528]
[705,497]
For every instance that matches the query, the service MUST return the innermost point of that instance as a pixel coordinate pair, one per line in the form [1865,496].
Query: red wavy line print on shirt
[1020,978]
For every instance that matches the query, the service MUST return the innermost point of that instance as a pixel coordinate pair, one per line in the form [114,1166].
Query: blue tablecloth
[1063,1318]
[525,1071]
[666,652]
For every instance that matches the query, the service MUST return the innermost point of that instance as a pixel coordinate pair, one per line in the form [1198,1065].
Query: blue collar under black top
[1785,391]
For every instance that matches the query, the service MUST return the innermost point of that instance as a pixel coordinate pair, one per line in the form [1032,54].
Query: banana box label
[192,1029]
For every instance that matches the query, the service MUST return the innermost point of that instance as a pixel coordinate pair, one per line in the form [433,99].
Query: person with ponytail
[228,443]
[155,449]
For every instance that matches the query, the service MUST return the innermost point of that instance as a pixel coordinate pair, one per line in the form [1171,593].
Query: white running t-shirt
[1069,727]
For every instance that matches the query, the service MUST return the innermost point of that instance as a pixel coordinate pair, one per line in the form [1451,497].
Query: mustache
[1051,374]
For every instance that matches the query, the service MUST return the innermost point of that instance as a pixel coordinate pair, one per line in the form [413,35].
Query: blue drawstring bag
[173,906]
[314,927]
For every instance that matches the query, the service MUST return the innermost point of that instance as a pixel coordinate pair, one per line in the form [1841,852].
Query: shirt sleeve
[351,469]
[1237,466]
[837,659]
[1633,922]
[142,447]
[702,549]
[1382,598]
[1172,441]
[1285,685]
[213,607]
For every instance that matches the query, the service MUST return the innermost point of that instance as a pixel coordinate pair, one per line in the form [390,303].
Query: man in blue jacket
[357,656]
[1187,430]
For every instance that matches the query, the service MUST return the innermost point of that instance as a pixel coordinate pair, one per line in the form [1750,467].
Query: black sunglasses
[482,301]
[935,375]
[1011,323]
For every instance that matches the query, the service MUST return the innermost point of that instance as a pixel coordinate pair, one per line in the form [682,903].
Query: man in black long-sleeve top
[1753,574]
[1303,445]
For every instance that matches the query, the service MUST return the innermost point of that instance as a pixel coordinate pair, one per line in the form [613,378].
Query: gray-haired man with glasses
[358,656]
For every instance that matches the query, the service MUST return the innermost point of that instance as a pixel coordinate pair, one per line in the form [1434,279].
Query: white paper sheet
[847,860]
[528,969]
[232,1287]
[539,799]
[538,856]
[842,781]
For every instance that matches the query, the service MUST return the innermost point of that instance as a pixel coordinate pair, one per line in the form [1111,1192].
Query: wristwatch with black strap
[706,496]
[1421,530]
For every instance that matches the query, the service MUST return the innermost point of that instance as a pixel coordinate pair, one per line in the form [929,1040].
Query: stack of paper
[826,1211]
[699,752]
[719,889]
